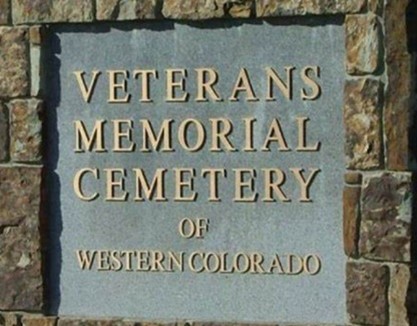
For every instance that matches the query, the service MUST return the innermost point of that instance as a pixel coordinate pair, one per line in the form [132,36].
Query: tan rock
[363,43]
[14,61]
[400,278]
[4,12]
[92,322]
[35,35]
[127,10]
[206,9]
[351,211]
[4,133]
[399,86]
[366,291]
[20,249]
[376,6]
[26,130]
[41,11]
[269,8]
[353,178]
[8,319]
[362,119]
[193,9]
[31,320]
[240,8]
[386,202]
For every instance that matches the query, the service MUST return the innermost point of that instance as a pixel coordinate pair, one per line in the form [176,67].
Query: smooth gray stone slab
[268,228]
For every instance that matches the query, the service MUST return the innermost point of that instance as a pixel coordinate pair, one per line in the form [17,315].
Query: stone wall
[378,185]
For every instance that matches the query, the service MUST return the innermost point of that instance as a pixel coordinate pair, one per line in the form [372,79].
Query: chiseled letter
[114,86]
[119,135]
[86,258]
[96,138]
[77,184]
[314,85]
[204,86]
[164,136]
[249,122]
[243,84]
[156,187]
[172,85]
[305,184]
[302,137]
[285,88]
[183,132]
[87,91]
[146,74]
[275,134]
[221,128]
[113,184]
[213,181]
[241,184]
[181,183]
[274,187]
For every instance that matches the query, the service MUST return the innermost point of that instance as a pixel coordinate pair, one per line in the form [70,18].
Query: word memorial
[197,174]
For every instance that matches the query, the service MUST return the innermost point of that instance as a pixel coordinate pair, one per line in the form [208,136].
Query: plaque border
[378,190]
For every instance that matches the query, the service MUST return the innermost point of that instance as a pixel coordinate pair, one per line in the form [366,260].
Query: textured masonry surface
[378,190]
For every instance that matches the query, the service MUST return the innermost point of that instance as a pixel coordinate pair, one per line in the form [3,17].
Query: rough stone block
[367,286]
[193,9]
[35,60]
[353,178]
[400,278]
[269,8]
[386,203]
[4,133]
[127,10]
[362,118]
[4,12]
[35,35]
[32,320]
[26,130]
[201,9]
[41,11]
[397,112]
[14,62]
[363,43]
[351,211]
[20,250]
[87,322]
[8,319]
[399,85]
[375,6]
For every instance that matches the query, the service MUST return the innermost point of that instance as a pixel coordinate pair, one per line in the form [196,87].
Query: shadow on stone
[412,45]
[51,206]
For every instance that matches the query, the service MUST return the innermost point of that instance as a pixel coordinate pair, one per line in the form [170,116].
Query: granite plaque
[196,172]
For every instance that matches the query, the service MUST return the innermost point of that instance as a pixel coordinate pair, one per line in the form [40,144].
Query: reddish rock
[366,290]
[386,203]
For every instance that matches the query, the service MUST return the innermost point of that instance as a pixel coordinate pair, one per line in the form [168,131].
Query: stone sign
[197,173]
[200,163]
